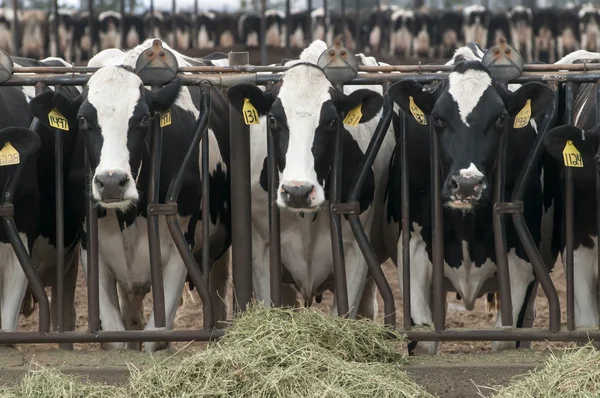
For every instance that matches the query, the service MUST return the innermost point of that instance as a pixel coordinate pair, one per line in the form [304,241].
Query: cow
[299,29]
[110,24]
[275,28]
[579,140]
[475,24]
[402,32]
[545,33]
[34,34]
[134,30]
[320,23]
[112,118]
[499,27]
[35,205]
[376,30]
[6,24]
[469,111]
[451,34]
[83,43]
[65,35]
[521,31]
[206,29]
[226,29]
[302,111]
[346,31]
[155,24]
[568,32]
[180,34]
[249,29]
[425,38]
[589,27]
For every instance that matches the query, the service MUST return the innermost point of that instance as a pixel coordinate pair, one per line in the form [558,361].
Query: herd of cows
[110,118]
[545,34]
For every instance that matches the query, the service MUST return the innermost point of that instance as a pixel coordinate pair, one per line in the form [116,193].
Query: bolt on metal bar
[569,266]
[241,216]
[405,197]
[500,234]
[274,223]
[93,275]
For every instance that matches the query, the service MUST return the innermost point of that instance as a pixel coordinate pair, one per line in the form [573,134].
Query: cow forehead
[303,91]
[114,92]
[467,89]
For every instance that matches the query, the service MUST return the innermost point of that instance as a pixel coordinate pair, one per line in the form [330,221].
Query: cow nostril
[100,184]
[123,181]
[454,184]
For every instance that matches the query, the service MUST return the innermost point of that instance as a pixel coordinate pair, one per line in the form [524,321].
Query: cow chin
[122,205]
[464,205]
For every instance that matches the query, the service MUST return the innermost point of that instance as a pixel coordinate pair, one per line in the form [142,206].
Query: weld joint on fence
[7,210]
[345,208]
[163,209]
[517,207]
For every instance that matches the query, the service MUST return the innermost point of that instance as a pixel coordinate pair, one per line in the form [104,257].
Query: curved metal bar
[274,223]
[439,293]
[93,272]
[598,186]
[405,193]
[569,242]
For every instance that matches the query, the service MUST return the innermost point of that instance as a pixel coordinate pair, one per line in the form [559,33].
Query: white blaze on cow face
[114,93]
[467,89]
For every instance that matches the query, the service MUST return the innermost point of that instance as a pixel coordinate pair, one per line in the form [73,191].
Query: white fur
[585,266]
[466,53]
[467,89]
[470,172]
[13,285]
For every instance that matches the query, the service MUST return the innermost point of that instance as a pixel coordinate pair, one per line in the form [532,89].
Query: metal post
[263,33]
[16,29]
[54,28]
[151,25]
[241,220]
[93,276]
[343,17]
[325,22]
[405,225]
[359,43]
[60,225]
[598,189]
[195,25]
[173,23]
[569,270]
[122,25]
[288,26]
[309,6]
[274,223]
[439,292]
[92,27]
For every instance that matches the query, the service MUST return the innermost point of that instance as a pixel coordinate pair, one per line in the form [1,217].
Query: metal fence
[340,67]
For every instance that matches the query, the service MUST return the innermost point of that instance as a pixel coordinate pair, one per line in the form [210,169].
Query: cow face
[469,113]
[302,113]
[113,117]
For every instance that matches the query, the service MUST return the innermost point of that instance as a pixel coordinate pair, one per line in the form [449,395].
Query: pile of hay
[573,373]
[268,353]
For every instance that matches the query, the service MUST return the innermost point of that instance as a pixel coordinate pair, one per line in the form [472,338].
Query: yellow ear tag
[417,112]
[57,120]
[572,156]
[165,118]
[522,118]
[250,113]
[354,116]
[9,155]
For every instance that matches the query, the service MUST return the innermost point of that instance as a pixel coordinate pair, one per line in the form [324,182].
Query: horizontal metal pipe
[128,336]
[520,334]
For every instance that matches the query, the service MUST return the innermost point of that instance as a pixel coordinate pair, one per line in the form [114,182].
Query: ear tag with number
[416,112]
[522,118]
[165,118]
[354,116]
[250,113]
[9,155]
[571,156]
[57,120]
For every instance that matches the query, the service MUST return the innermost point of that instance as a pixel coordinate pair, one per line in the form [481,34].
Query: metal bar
[325,22]
[598,189]
[288,26]
[151,25]
[241,220]
[60,226]
[194,26]
[92,27]
[309,8]
[500,235]
[274,223]
[520,334]
[569,243]
[439,293]
[93,276]
[405,224]
[205,190]
[16,29]
[122,31]
[158,294]
[174,23]
[357,38]
[357,228]
[54,28]
[263,32]
[335,226]
[344,20]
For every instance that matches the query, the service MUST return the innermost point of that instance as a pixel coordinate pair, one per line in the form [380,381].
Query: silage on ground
[572,373]
[266,353]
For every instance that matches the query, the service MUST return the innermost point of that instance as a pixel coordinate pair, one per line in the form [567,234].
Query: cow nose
[467,187]
[297,196]
[111,186]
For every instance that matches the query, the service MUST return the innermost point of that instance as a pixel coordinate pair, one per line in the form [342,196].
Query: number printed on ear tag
[416,112]
[249,112]
[165,118]
[522,118]
[572,156]
[57,120]
[354,116]
[9,155]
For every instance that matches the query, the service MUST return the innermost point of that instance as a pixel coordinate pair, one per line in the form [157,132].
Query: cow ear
[585,142]
[261,100]
[164,97]
[41,105]
[369,101]
[23,140]
[540,95]
[403,91]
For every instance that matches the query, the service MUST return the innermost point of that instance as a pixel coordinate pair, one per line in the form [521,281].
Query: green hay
[572,373]
[269,353]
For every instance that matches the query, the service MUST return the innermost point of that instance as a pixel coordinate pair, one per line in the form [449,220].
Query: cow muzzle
[465,190]
[298,196]
[113,189]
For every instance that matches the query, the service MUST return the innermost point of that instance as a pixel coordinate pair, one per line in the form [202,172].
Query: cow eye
[145,120]
[333,123]
[501,120]
[82,122]
[437,120]
[272,122]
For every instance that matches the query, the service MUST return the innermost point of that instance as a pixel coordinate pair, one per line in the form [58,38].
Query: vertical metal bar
[174,23]
[288,25]
[598,190]
[241,220]
[325,22]
[158,294]
[274,224]
[54,28]
[205,207]
[16,29]
[569,269]
[263,33]
[405,224]
[309,6]
[60,225]
[344,21]
[500,235]
[357,38]
[195,25]
[92,27]
[92,256]
[151,27]
[439,293]
[122,27]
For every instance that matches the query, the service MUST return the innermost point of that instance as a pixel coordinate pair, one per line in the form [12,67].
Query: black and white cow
[545,33]
[469,112]
[83,42]
[35,206]
[275,28]
[34,34]
[376,26]
[499,27]
[110,24]
[319,21]
[206,28]
[568,32]
[249,29]
[227,29]
[113,116]
[65,35]
[346,31]
[402,32]
[425,39]
[589,27]
[298,29]
[584,134]
[180,34]
[451,33]
[155,24]
[302,111]
[521,31]
[6,24]
[476,19]
[134,28]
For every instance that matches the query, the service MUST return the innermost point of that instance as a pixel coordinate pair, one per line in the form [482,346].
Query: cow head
[302,113]
[112,115]
[469,112]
